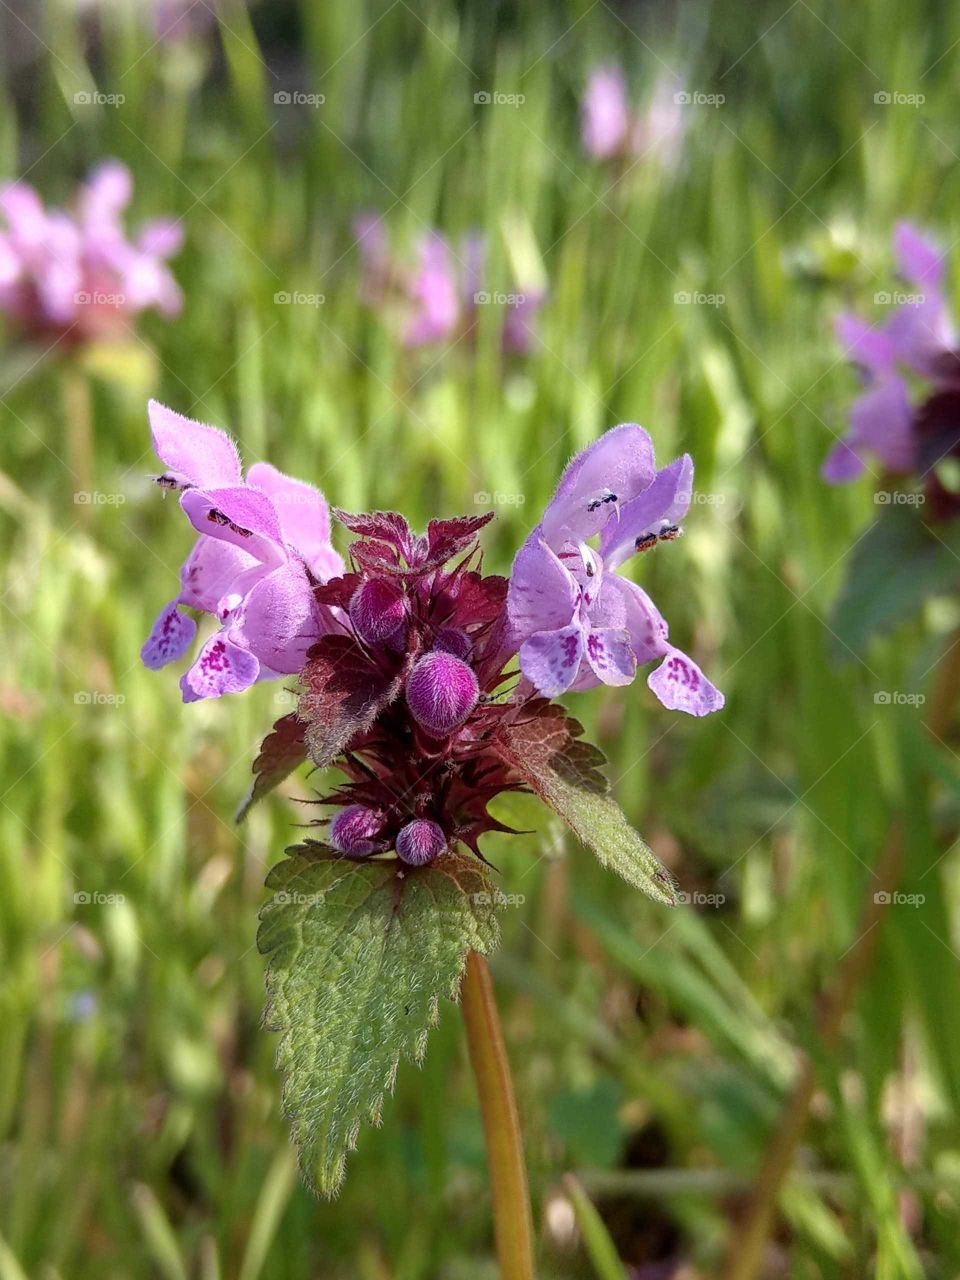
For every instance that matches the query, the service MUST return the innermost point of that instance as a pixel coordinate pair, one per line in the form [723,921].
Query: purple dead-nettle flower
[437,298]
[917,340]
[76,274]
[405,666]
[610,128]
[575,621]
[264,544]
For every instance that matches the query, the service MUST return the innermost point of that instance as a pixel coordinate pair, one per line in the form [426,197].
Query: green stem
[749,1244]
[512,1219]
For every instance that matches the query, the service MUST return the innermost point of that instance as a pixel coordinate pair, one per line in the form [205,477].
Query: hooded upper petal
[194,453]
[611,471]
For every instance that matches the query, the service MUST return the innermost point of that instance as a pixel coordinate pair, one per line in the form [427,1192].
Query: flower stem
[749,1242]
[512,1219]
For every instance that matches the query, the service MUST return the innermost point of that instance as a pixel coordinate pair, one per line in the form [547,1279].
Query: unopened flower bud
[354,830]
[453,640]
[420,841]
[378,611]
[441,692]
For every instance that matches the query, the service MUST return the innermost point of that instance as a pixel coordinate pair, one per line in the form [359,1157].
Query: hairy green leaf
[359,956]
[544,746]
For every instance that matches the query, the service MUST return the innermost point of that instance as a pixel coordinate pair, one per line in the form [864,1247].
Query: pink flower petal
[280,620]
[195,453]
[608,653]
[170,637]
[221,667]
[608,473]
[543,593]
[664,502]
[211,570]
[551,659]
[239,515]
[303,514]
[681,686]
[919,259]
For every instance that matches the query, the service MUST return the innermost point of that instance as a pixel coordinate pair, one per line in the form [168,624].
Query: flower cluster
[575,621]
[76,274]
[405,658]
[611,129]
[264,543]
[438,298]
[918,342]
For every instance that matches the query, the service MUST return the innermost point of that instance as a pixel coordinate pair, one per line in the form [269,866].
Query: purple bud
[378,611]
[453,640]
[420,841]
[441,692]
[354,830]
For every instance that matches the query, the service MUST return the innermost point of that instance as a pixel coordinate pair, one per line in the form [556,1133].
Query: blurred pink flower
[610,128]
[438,297]
[77,274]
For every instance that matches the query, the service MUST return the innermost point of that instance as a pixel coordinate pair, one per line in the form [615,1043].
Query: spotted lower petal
[169,639]
[221,667]
[551,659]
[609,655]
[681,686]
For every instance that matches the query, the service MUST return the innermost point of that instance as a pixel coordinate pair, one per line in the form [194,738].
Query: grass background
[139,1127]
